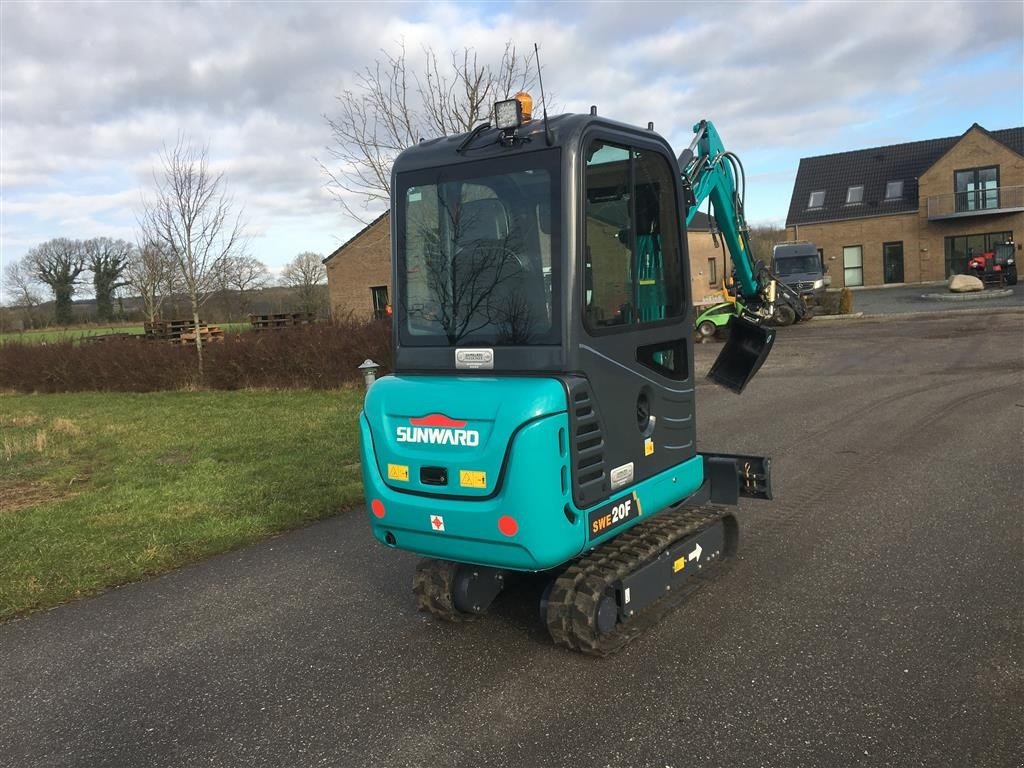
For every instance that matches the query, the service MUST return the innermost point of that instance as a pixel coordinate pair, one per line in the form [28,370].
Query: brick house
[359,271]
[909,213]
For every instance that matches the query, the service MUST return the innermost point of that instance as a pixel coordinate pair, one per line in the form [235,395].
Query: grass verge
[102,489]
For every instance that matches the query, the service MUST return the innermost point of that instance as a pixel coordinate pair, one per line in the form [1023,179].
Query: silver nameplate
[474,359]
[621,476]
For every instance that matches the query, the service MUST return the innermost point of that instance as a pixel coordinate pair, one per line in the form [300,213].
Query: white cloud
[84,116]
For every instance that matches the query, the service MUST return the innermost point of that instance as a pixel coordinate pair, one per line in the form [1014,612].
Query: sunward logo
[437,429]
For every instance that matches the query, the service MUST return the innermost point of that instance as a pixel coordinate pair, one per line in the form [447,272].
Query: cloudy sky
[90,92]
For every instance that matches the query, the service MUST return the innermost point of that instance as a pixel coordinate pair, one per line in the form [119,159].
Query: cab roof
[565,130]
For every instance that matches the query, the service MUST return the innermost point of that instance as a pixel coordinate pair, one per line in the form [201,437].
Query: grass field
[74,334]
[101,489]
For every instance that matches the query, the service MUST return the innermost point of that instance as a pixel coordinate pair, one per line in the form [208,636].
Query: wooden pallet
[206,334]
[168,330]
[281,320]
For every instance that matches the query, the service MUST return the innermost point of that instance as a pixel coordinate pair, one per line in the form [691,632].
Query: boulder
[965,284]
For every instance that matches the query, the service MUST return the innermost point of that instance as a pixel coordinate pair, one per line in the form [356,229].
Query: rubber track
[433,585]
[572,602]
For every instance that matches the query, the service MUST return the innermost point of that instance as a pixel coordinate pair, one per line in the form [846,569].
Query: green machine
[542,412]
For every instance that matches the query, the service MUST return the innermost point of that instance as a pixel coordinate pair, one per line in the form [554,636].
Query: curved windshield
[475,256]
[797,265]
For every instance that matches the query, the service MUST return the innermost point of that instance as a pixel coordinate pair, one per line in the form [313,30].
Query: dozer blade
[743,354]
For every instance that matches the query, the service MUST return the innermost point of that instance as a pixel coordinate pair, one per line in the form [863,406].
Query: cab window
[633,256]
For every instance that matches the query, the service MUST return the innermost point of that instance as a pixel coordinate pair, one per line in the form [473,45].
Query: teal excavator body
[543,400]
[491,486]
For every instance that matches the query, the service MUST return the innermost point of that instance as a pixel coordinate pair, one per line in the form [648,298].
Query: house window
[853,265]
[977,189]
[817,199]
[894,190]
[855,194]
[712,272]
[960,248]
[379,295]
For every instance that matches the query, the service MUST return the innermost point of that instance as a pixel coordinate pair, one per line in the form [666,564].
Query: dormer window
[816,200]
[894,190]
[855,194]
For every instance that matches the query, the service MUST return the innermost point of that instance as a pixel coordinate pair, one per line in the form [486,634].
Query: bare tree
[23,290]
[243,275]
[390,107]
[58,263]
[306,274]
[764,238]
[191,216]
[107,260]
[22,286]
[150,272]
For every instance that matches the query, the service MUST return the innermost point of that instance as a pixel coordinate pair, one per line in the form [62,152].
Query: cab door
[635,344]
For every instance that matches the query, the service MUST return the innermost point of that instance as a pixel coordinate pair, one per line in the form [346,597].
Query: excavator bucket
[741,357]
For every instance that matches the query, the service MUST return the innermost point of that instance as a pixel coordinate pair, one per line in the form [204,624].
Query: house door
[892,262]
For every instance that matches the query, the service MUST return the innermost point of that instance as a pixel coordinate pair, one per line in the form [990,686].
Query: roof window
[855,194]
[816,200]
[894,190]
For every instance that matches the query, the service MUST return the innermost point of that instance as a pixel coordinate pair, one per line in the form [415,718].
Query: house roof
[701,222]
[354,237]
[874,168]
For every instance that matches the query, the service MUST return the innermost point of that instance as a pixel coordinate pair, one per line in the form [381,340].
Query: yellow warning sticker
[648,447]
[398,472]
[471,478]
[679,564]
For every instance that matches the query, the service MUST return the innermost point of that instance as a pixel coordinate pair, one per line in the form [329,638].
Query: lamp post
[369,369]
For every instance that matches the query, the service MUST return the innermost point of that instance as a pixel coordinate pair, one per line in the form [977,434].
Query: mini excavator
[541,416]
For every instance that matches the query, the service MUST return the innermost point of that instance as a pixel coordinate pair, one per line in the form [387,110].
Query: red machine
[996,268]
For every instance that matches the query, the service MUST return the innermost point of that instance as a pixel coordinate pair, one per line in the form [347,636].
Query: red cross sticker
[437,522]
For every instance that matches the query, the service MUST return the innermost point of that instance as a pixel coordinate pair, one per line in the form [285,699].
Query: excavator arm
[710,172]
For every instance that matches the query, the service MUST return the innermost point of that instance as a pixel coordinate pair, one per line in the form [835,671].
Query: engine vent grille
[588,475]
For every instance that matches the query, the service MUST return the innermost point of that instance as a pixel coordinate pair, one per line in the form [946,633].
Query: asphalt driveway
[873,617]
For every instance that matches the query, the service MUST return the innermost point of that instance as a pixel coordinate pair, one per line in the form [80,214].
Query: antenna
[548,138]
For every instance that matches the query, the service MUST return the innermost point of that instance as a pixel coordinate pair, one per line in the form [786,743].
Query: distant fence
[280,320]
